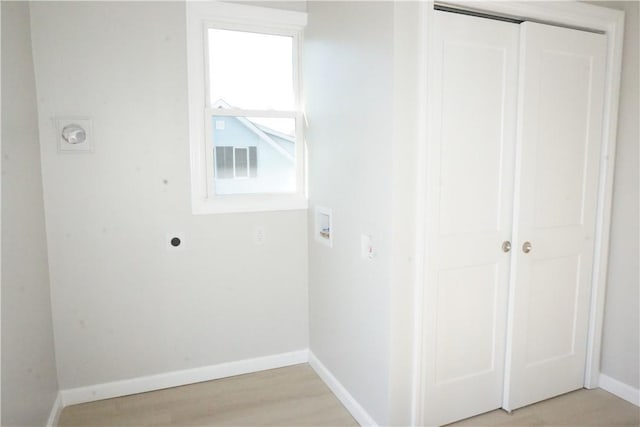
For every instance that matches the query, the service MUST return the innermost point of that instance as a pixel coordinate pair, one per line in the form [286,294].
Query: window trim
[200,17]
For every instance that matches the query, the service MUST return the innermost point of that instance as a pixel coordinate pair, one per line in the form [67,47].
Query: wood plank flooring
[295,396]
[580,408]
[292,396]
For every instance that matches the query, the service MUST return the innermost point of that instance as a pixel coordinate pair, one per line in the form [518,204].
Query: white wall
[349,102]
[362,85]
[29,384]
[408,119]
[621,335]
[123,305]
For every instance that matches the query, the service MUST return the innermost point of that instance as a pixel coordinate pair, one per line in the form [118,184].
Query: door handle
[506,246]
[526,247]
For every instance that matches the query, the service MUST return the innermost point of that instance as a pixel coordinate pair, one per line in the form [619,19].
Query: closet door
[559,142]
[471,157]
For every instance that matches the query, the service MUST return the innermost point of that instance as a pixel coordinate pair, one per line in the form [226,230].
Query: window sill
[248,203]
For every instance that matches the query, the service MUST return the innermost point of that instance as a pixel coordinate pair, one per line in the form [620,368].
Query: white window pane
[251,70]
[263,159]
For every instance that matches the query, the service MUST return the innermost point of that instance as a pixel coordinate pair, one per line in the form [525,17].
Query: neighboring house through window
[247,151]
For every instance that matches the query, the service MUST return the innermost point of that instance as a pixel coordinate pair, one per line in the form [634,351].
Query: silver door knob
[506,246]
[526,247]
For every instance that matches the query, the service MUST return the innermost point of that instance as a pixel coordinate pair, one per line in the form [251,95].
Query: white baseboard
[56,409]
[178,378]
[620,389]
[352,405]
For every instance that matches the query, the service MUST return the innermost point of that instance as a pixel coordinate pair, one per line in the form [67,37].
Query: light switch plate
[367,249]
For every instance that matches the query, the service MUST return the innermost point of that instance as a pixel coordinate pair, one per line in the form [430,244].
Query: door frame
[568,14]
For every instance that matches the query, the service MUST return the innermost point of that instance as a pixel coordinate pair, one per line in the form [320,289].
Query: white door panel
[559,138]
[471,162]
[466,299]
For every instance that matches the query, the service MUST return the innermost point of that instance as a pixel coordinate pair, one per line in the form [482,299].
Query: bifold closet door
[471,166]
[559,143]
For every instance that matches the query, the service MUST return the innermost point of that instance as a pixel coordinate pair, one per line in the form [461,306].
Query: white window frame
[213,14]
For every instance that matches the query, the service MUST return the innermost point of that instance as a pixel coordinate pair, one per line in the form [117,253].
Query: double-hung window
[245,120]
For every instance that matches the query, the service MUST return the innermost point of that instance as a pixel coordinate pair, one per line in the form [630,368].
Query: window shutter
[224,162]
[242,169]
[253,162]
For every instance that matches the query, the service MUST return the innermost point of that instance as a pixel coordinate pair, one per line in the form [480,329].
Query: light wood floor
[292,396]
[580,408]
[295,396]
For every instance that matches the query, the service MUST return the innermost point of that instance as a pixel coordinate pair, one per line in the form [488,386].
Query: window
[233,162]
[247,150]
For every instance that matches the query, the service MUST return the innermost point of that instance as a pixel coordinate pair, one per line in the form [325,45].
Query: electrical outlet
[259,236]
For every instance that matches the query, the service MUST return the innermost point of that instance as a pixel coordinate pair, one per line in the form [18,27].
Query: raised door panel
[559,142]
[470,170]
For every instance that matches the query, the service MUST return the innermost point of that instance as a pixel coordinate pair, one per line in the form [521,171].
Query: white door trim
[573,14]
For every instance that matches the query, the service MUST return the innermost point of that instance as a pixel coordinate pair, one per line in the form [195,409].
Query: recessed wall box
[324,226]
